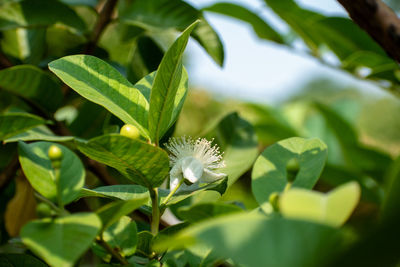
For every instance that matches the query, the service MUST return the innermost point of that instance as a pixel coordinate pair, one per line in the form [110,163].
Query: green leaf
[128,192]
[390,205]
[30,82]
[15,123]
[154,15]
[143,163]
[17,260]
[372,60]
[39,13]
[37,168]
[254,240]
[40,133]
[27,45]
[344,37]
[206,36]
[60,242]
[122,192]
[97,81]
[206,211]
[146,57]
[269,123]
[260,27]
[122,235]
[145,239]
[272,170]
[165,87]
[332,208]
[112,212]
[300,20]
[366,159]
[236,138]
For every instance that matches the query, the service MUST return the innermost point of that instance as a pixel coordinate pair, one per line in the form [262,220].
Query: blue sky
[258,70]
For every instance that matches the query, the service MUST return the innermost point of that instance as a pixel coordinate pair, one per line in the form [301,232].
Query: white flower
[194,160]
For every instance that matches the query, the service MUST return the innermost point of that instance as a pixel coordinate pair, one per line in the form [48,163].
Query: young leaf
[143,163]
[15,123]
[37,168]
[165,86]
[333,208]
[60,242]
[254,240]
[32,83]
[97,81]
[271,171]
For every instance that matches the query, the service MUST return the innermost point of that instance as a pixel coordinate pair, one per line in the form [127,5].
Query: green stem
[287,187]
[51,204]
[172,192]
[59,195]
[155,219]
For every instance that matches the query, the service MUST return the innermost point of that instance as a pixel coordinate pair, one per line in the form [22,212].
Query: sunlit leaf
[272,170]
[60,242]
[38,169]
[332,208]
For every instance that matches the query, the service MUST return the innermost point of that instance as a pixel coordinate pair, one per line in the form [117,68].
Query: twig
[103,20]
[112,251]
[379,21]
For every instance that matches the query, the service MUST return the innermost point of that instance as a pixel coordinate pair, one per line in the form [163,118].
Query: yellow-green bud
[54,153]
[130,131]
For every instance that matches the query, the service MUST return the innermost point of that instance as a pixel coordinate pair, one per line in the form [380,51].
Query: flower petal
[192,169]
[210,176]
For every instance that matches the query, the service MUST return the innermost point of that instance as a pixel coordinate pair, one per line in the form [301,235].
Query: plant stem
[51,204]
[172,193]
[155,218]
[287,187]
[112,251]
[104,18]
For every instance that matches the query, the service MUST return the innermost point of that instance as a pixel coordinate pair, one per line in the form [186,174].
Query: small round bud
[55,153]
[130,131]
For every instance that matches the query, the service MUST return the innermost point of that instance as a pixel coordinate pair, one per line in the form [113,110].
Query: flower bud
[55,153]
[130,131]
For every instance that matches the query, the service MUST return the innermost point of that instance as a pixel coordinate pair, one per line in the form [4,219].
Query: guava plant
[92,173]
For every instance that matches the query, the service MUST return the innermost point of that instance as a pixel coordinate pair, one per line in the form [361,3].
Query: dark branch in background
[103,20]
[9,173]
[379,21]
[4,61]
